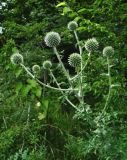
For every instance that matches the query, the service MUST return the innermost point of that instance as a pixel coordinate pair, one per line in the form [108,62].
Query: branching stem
[41,83]
[63,92]
[64,69]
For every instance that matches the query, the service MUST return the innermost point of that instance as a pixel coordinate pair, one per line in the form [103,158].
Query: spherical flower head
[47,65]
[91,45]
[74,60]
[52,39]
[108,51]
[36,68]
[72,25]
[17,59]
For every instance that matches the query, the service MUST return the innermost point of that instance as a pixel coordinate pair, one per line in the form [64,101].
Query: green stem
[5,122]
[109,92]
[61,63]
[81,77]
[28,72]
[41,83]
[77,39]
[28,115]
[109,72]
[65,71]
[63,92]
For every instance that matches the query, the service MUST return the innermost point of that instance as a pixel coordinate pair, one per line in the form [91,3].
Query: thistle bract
[36,68]
[91,45]
[16,59]
[74,60]
[52,39]
[47,64]
[108,51]
[72,25]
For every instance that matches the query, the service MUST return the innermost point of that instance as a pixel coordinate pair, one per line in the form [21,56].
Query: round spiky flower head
[17,59]
[74,59]
[108,51]
[72,25]
[47,64]
[91,45]
[36,68]
[52,39]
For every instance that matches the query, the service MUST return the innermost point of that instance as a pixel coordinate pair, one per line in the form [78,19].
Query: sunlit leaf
[41,116]
[61,4]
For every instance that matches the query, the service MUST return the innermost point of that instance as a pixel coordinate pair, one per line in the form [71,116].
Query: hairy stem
[63,92]
[81,77]
[61,63]
[77,39]
[64,69]
[41,83]
[109,92]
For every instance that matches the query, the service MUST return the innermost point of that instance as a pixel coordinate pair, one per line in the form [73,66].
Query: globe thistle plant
[52,39]
[76,83]
[74,60]
[47,64]
[108,51]
[76,88]
[72,25]
[91,45]
[17,59]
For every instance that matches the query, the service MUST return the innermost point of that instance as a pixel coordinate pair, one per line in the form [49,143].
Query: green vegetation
[85,117]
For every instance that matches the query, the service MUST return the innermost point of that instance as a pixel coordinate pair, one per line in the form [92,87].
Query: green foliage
[37,123]
[34,154]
